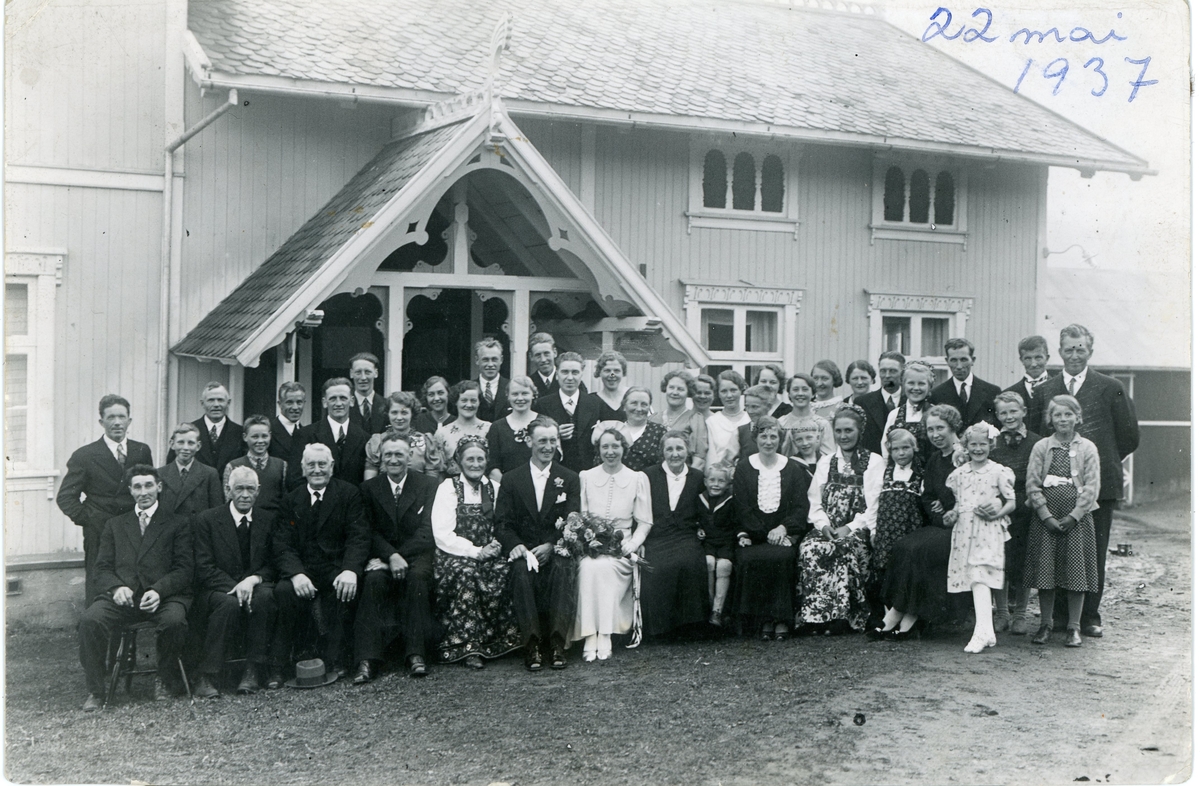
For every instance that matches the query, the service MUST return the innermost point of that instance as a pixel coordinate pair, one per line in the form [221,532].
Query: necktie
[1071,386]
[316,505]
[488,395]
[143,521]
[243,533]
[889,403]
[963,393]
[212,434]
[341,435]
[570,407]
[121,453]
[183,473]
[366,410]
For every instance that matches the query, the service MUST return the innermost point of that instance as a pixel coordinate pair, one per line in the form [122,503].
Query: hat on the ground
[312,674]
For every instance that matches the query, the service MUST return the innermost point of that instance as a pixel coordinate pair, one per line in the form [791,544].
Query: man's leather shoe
[1042,636]
[92,703]
[1073,639]
[275,680]
[160,690]
[364,673]
[249,683]
[417,667]
[342,671]
[473,662]
[533,656]
[1093,631]
[558,658]
[205,689]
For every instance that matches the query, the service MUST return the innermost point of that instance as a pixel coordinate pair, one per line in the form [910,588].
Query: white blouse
[722,436]
[872,485]
[622,497]
[444,516]
[913,415]
[770,482]
[675,484]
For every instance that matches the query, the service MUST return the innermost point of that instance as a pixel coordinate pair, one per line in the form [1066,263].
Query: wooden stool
[124,662]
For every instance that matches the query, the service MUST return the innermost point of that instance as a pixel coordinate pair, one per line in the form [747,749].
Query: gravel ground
[1119,710]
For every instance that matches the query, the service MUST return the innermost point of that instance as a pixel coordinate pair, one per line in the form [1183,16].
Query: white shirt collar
[1079,379]
[1033,381]
[218,426]
[487,384]
[334,426]
[150,511]
[312,492]
[671,476]
[361,399]
[539,473]
[237,514]
[572,399]
[187,466]
[397,488]
[288,425]
[969,382]
[112,446]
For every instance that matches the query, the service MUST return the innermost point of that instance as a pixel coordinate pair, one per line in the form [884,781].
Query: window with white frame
[917,326]
[740,185]
[915,199]
[743,328]
[30,284]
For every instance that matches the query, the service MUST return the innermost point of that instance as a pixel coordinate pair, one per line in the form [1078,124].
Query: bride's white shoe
[604,648]
[589,648]
[977,645]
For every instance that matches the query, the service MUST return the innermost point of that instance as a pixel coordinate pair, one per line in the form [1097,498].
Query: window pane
[762,333]
[16,381]
[714,179]
[772,185]
[714,372]
[943,202]
[918,198]
[897,334]
[893,195]
[934,333]
[743,182]
[16,309]
[716,326]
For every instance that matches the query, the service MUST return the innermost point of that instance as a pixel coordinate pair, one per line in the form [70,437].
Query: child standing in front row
[718,533]
[1013,447]
[984,491]
[1061,487]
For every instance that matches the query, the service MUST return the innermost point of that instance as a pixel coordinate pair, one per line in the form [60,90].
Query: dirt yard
[1119,710]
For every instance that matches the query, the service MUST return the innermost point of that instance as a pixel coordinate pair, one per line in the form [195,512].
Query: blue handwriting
[943,19]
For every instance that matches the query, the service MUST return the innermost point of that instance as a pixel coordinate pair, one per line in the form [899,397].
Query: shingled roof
[847,78]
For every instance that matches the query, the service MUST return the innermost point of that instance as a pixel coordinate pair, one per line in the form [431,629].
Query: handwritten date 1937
[1058,68]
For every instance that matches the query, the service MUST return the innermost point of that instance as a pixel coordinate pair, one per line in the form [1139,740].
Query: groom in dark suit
[144,572]
[574,411]
[974,398]
[532,498]
[1110,422]
[96,472]
[399,575]
[346,441]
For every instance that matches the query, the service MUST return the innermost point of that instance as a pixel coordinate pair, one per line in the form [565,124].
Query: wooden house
[250,191]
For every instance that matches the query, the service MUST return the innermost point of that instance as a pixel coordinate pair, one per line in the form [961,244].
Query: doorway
[351,325]
[442,328]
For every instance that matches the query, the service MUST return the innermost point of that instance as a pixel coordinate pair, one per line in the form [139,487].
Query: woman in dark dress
[611,368]
[435,394]
[675,587]
[773,376]
[915,585]
[643,435]
[770,495]
[506,438]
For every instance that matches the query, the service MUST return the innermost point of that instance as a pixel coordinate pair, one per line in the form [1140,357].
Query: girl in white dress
[983,493]
[723,424]
[606,592]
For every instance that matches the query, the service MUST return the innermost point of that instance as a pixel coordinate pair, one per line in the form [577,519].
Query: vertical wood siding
[559,144]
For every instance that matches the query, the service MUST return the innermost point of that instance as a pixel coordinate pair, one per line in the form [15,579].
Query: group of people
[496,515]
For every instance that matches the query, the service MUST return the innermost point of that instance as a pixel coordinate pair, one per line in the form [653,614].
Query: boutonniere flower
[558,483]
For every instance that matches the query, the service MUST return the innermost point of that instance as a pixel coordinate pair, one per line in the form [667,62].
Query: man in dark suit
[1034,353]
[321,543]
[143,572]
[399,575]
[285,425]
[574,412]
[974,398]
[878,404]
[346,441]
[1110,422]
[235,576]
[532,498]
[188,486]
[493,388]
[542,352]
[220,437]
[368,411]
[96,472]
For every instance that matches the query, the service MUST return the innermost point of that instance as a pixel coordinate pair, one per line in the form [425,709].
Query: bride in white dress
[606,601]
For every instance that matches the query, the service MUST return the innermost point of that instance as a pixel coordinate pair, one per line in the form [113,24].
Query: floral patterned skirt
[474,607]
[832,579]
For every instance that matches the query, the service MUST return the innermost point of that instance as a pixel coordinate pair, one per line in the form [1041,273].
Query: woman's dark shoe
[902,635]
[1042,636]
[1073,638]
[879,634]
[473,662]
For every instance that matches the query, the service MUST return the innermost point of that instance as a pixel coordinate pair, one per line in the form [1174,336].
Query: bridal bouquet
[586,535]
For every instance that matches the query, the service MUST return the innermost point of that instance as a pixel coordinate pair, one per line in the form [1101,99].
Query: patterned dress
[646,450]
[833,574]
[506,446]
[900,513]
[976,544]
[1054,560]
[474,606]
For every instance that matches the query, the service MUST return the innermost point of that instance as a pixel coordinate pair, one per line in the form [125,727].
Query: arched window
[714,179]
[893,195]
[743,182]
[918,198]
[772,185]
[943,200]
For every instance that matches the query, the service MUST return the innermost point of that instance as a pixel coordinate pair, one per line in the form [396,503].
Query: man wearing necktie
[973,397]
[368,410]
[144,571]
[1034,353]
[235,575]
[574,411]
[1110,422]
[321,543]
[347,441]
[94,490]
[271,471]
[188,486]
[291,399]
[399,576]
[220,437]
[878,403]
[493,388]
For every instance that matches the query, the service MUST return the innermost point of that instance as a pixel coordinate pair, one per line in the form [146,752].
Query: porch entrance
[441,328]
